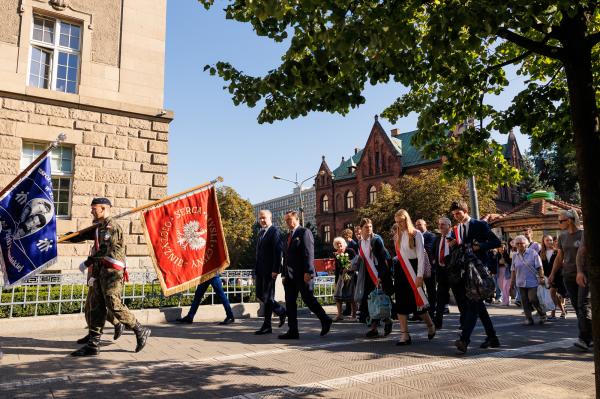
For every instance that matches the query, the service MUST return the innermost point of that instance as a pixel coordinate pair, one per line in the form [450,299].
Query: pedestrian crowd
[411,278]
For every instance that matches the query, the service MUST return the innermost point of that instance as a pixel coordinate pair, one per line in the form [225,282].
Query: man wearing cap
[107,260]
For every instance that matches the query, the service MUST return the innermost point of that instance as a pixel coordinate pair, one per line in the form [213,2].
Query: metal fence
[47,294]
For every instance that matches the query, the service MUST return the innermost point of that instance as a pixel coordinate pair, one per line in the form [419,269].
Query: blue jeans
[218,289]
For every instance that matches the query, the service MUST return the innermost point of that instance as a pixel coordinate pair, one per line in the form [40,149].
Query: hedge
[153,299]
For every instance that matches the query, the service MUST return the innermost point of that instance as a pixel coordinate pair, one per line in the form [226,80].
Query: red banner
[186,240]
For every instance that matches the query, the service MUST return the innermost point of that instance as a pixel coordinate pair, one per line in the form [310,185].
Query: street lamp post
[299,187]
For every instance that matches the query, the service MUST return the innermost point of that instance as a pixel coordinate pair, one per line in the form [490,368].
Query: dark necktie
[261,234]
[289,240]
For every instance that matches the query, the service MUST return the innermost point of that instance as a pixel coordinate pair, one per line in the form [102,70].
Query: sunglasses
[562,220]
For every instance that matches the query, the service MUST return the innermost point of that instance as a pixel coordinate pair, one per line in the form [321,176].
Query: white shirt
[413,253]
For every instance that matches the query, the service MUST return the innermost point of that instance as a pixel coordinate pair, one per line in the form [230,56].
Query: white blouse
[414,253]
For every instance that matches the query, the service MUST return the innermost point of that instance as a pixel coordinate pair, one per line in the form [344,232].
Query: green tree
[426,195]
[531,180]
[556,167]
[237,216]
[450,54]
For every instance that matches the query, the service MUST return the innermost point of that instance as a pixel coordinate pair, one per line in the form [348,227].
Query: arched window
[326,233]
[325,203]
[372,194]
[349,200]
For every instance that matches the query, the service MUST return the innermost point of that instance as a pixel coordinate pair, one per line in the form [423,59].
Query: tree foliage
[556,167]
[426,195]
[237,216]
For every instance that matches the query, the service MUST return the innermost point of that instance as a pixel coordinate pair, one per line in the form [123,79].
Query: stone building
[93,70]
[354,183]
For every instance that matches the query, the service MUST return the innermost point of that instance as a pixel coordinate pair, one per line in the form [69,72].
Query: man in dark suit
[478,234]
[298,274]
[430,282]
[269,255]
[441,250]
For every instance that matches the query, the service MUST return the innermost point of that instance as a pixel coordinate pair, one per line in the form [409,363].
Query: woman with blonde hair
[408,276]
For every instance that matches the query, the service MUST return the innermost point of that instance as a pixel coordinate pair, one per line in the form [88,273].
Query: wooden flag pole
[142,207]
[61,137]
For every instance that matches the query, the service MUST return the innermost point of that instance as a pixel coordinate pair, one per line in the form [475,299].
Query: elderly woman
[345,280]
[408,276]
[527,274]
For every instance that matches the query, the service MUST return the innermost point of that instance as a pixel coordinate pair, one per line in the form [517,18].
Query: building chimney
[355,150]
[395,132]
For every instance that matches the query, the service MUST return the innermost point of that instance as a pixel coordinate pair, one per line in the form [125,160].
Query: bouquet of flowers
[345,265]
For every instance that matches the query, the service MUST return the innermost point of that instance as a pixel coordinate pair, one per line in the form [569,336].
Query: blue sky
[210,136]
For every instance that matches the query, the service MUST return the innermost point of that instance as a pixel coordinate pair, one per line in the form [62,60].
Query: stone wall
[117,155]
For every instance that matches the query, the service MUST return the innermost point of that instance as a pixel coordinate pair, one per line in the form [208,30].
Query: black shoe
[187,320]
[461,345]
[228,320]
[141,336]
[325,326]
[372,334]
[405,342]
[282,319]
[119,328]
[387,329]
[86,350]
[493,342]
[84,340]
[289,335]
[263,331]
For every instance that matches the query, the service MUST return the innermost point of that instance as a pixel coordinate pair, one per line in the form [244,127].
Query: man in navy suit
[269,255]
[478,234]
[298,274]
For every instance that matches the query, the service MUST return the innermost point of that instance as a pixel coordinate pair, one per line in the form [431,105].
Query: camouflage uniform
[104,296]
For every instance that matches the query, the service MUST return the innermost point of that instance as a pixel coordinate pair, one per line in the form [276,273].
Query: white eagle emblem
[192,235]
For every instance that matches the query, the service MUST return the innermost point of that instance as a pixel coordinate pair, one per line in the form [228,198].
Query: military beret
[101,201]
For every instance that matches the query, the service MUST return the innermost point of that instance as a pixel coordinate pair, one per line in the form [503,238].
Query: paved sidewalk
[205,360]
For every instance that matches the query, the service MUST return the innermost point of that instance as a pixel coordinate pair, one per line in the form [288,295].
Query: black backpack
[465,267]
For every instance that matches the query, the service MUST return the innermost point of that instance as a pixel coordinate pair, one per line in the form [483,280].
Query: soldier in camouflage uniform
[108,270]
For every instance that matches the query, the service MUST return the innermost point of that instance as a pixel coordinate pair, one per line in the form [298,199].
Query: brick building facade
[355,182]
[94,71]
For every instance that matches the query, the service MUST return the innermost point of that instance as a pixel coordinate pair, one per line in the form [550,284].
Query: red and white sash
[368,260]
[411,276]
[110,262]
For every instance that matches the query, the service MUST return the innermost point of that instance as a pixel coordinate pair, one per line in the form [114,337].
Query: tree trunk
[585,122]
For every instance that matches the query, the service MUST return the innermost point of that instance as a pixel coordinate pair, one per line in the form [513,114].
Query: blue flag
[28,225]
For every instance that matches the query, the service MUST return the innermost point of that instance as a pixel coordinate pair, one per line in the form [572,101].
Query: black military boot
[141,336]
[92,348]
[84,340]
[119,328]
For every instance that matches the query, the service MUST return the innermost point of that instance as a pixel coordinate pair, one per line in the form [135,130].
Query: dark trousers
[292,288]
[580,299]
[472,310]
[431,288]
[363,310]
[530,301]
[443,297]
[272,306]
[218,289]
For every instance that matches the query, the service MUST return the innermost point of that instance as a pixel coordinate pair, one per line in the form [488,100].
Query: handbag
[380,305]
[426,265]
[544,297]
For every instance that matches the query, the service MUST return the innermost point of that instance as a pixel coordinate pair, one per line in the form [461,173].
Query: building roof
[411,156]
[536,212]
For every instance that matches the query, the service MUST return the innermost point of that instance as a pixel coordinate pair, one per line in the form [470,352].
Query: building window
[349,200]
[55,54]
[61,162]
[326,233]
[372,194]
[325,203]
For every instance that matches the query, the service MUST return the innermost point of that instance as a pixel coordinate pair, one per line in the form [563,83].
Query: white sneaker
[581,344]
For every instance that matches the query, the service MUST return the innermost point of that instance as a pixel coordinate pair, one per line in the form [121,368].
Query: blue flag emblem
[28,225]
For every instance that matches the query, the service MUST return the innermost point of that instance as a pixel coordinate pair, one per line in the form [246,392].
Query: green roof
[342,172]
[411,156]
